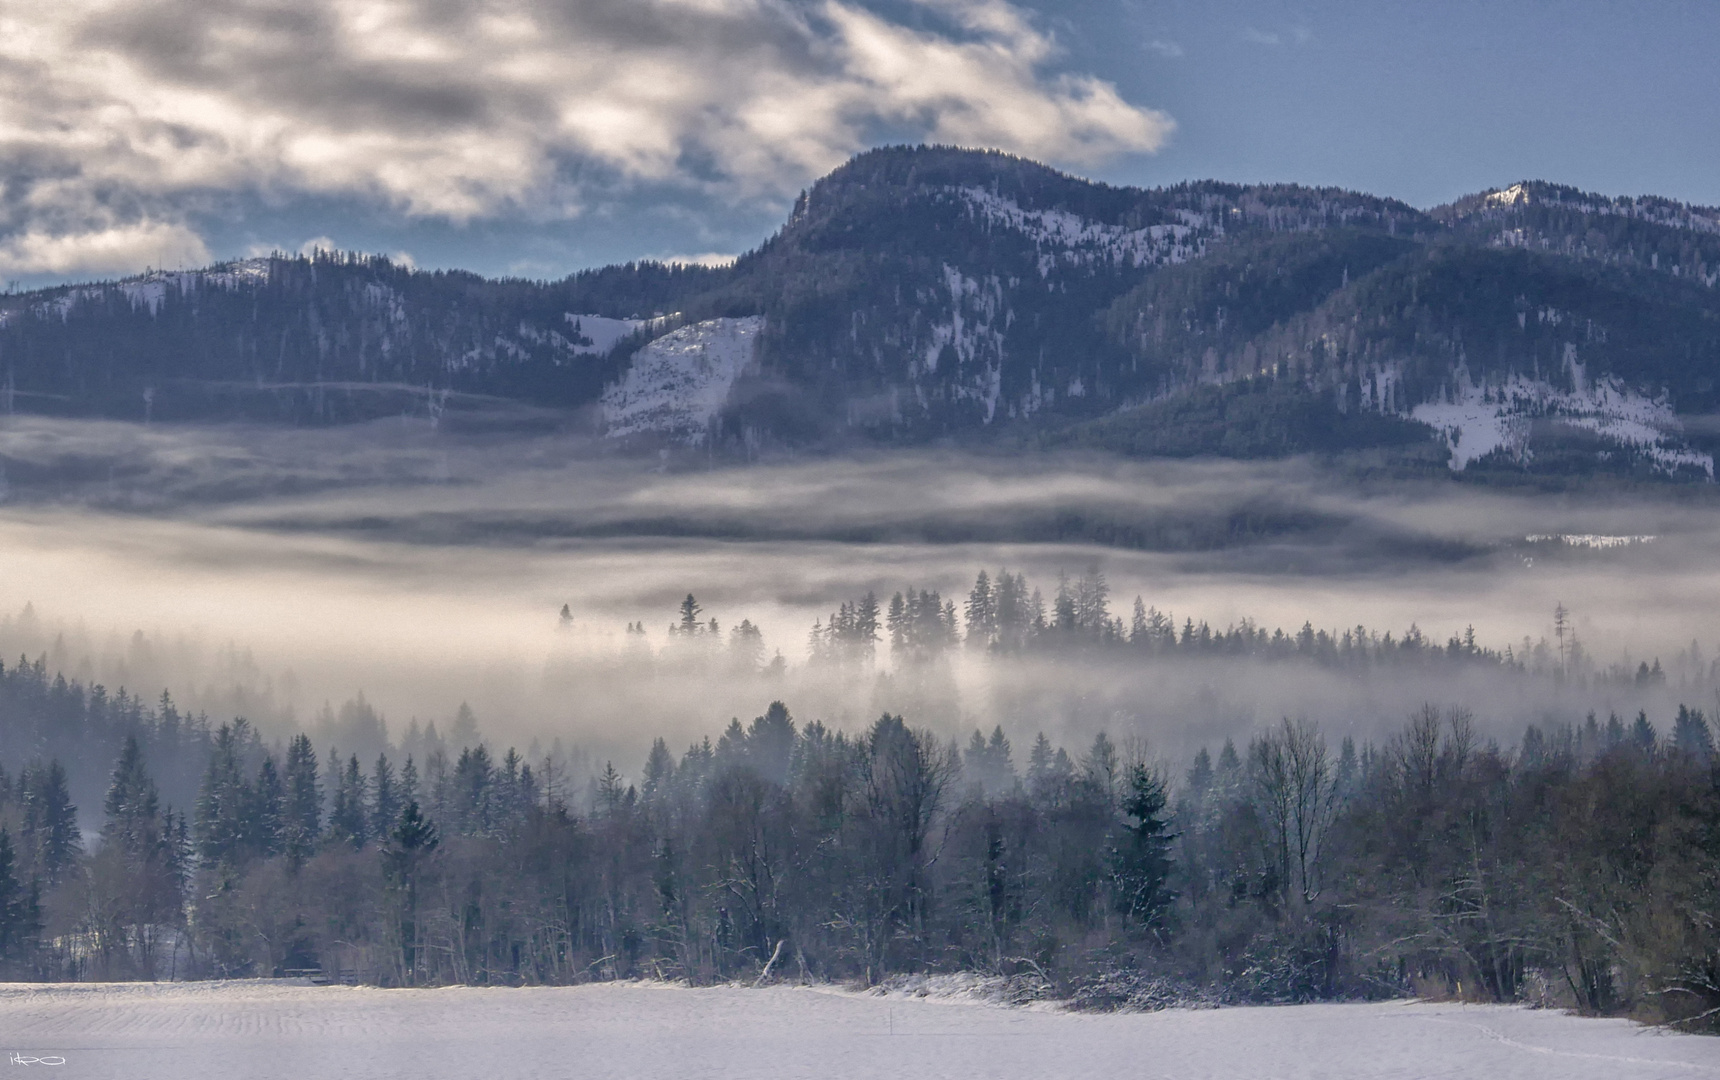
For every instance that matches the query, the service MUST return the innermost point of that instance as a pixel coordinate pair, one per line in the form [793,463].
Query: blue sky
[537,137]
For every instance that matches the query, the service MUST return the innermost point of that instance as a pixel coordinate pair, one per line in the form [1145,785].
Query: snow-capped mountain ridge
[1067,239]
[148,291]
[1651,208]
[923,293]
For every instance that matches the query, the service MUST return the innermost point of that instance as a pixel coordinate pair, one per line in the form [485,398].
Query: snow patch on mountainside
[1477,420]
[595,335]
[677,385]
[974,335]
[1069,240]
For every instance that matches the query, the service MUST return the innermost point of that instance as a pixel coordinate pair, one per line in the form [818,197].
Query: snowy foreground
[265,1029]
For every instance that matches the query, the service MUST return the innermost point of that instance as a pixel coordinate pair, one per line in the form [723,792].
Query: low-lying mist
[266,572]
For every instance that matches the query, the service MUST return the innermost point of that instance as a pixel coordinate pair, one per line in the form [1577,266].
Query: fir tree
[981,613]
[222,803]
[689,626]
[385,798]
[348,812]
[50,821]
[267,820]
[1690,734]
[659,771]
[408,782]
[132,805]
[1642,734]
[302,820]
[1140,860]
[20,909]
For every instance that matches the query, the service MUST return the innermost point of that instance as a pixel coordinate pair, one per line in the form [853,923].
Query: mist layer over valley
[270,572]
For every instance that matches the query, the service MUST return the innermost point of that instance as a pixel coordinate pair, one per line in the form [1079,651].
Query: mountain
[924,293]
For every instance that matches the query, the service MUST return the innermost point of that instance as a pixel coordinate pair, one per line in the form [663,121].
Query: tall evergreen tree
[473,791]
[385,804]
[132,805]
[50,821]
[411,842]
[1140,859]
[20,909]
[689,626]
[1642,733]
[302,818]
[223,803]
[409,782]
[981,613]
[659,771]
[268,811]
[1690,733]
[347,822]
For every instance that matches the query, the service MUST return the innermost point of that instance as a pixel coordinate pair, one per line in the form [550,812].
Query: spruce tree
[132,805]
[384,798]
[1039,765]
[1140,860]
[659,771]
[268,810]
[301,824]
[981,613]
[689,624]
[408,782]
[50,821]
[346,819]
[1642,733]
[406,847]
[1690,733]
[223,803]
[20,912]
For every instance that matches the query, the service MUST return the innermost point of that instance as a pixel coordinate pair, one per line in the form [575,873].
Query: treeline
[1006,614]
[46,717]
[1579,868]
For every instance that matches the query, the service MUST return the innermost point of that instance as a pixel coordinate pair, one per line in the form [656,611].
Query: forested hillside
[930,293]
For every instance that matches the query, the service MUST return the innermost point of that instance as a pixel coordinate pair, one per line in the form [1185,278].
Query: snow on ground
[604,333]
[1476,420]
[1071,240]
[677,384]
[1590,540]
[263,1030]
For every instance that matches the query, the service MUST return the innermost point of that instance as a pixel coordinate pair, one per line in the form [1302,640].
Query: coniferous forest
[1577,865]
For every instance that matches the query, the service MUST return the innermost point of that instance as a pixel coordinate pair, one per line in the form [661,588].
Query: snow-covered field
[262,1029]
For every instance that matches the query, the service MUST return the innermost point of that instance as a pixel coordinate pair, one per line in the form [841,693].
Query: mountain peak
[928,292]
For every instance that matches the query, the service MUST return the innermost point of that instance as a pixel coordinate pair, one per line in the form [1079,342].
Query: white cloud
[114,249]
[120,119]
[1168,49]
[1297,35]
